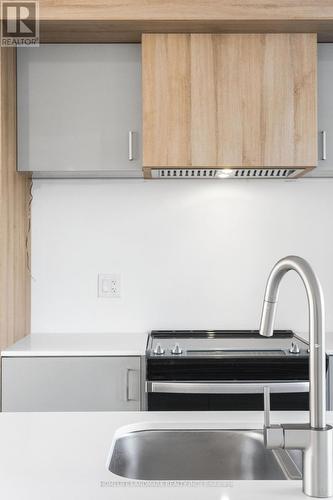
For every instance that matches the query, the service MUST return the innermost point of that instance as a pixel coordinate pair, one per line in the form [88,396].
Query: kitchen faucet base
[318,463]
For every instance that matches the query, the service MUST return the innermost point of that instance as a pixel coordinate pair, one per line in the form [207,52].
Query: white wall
[192,254]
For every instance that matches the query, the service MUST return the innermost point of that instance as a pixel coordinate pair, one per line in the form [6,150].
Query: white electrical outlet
[109,285]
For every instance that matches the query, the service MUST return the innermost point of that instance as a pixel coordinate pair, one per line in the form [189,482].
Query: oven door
[222,396]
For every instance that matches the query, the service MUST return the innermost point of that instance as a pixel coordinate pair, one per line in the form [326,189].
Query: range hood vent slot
[235,173]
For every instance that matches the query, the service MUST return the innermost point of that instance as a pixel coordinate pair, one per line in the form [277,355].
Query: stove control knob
[159,350]
[294,349]
[176,349]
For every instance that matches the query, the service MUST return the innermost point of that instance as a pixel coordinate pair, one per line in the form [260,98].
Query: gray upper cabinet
[325,110]
[79,110]
[102,383]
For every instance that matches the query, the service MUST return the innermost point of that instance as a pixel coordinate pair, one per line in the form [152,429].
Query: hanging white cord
[28,232]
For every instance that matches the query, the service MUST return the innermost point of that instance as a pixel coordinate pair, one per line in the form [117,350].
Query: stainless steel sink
[201,455]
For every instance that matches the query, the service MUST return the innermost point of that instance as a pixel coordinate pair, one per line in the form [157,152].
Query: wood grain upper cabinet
[229,100]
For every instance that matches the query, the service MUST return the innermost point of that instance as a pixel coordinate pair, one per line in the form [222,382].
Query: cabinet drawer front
[71,383]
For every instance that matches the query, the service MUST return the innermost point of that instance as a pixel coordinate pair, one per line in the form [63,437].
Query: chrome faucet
[316,438]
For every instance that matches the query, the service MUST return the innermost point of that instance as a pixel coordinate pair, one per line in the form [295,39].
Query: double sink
[201,454]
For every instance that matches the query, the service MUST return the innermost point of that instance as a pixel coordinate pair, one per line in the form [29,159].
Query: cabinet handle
[267,406]
[323,145]
[130,145]
[128,396]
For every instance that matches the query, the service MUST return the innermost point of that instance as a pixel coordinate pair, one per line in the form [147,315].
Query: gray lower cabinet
[71,383]
[79,110]
[330,384]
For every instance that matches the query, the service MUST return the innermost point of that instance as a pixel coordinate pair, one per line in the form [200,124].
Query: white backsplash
[191,254]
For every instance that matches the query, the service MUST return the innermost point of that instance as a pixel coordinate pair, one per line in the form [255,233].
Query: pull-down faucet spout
[316,325]
[316,439]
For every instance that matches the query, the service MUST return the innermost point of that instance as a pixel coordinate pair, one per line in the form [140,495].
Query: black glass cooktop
[178,334]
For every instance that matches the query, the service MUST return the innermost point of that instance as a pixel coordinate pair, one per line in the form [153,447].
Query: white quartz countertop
[79,344]
[94,344]
[64,455]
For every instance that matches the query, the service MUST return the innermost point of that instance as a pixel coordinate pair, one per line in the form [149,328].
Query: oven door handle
[226,387]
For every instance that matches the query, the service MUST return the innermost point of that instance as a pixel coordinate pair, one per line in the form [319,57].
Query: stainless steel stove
[206,343]
[226,370]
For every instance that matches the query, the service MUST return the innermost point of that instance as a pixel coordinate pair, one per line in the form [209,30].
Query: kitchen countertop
[79,344]
[94,344]
[64,455]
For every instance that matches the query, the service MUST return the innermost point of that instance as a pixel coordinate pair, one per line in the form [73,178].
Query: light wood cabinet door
[229,100]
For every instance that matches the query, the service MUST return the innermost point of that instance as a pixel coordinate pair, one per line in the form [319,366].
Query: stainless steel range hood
[224,173]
